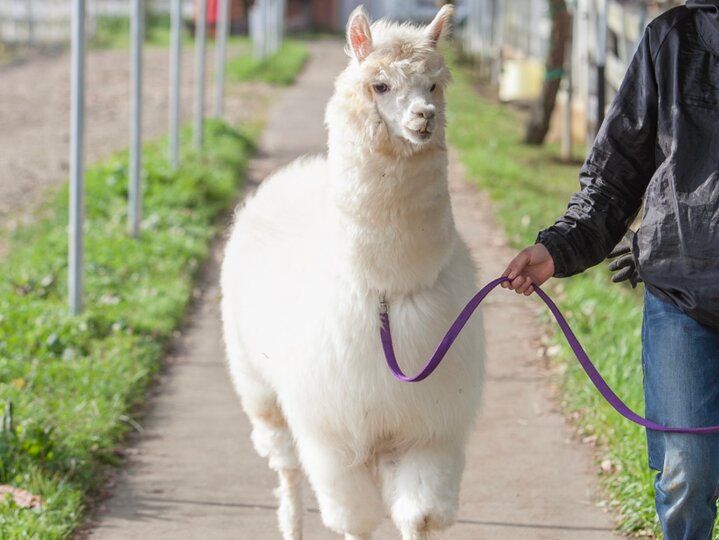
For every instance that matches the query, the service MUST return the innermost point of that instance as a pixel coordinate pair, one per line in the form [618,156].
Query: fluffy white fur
[308,258]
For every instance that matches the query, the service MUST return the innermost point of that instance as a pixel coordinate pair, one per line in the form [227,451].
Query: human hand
[532,265]
[624,264]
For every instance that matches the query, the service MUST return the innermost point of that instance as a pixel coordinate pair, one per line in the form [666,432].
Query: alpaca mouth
[419,135]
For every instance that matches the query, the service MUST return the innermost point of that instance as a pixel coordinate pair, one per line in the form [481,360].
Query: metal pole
[135,187]
[601,62]
[77,158]
[270,27]
[223,19]
[175,67]
[273,24]
[30,23]
[265,7]
[281,27]
[276,26]
[200,29]
[498,40]
[566,150]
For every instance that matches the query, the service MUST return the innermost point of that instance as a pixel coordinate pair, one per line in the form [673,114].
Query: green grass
[530,188]
[281,68]
[114,33]
[73,381]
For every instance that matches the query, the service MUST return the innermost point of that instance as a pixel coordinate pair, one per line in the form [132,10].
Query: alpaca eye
[380,88]
[434,87]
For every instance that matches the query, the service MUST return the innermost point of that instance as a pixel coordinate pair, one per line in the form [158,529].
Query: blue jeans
[680,358]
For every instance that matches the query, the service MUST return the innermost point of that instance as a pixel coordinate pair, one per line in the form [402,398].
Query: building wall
[326,14]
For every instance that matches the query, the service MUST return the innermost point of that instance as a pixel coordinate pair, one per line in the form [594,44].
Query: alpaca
[308,259]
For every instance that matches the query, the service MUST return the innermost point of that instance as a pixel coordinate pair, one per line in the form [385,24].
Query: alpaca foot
[273,440]
[348,496]
[422,489]
[289,513]
[416,523]
[417,532]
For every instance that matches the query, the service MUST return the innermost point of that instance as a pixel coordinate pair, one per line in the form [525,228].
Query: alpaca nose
[425,111]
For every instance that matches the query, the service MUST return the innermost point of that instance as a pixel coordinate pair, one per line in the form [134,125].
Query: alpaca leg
[271,435]
[349,498]
[289,513]
[421,487]
[272,439]
[413,534]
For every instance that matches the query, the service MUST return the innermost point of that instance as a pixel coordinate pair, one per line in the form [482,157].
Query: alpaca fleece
[309,257]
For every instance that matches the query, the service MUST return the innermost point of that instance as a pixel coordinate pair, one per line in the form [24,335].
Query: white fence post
[266,21]
[257,29]
[200,30]
[77,159]
[135,180]
[223,20]
[175,67]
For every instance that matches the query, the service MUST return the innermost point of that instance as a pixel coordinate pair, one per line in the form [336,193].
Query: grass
[530,188]
[281,68]
[73,382]
[114,33]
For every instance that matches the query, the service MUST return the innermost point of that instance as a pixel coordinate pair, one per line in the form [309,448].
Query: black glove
[624,264]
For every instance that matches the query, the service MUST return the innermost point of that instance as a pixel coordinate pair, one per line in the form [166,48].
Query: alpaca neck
[394,219]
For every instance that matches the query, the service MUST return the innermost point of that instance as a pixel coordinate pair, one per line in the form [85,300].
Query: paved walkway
[193,473]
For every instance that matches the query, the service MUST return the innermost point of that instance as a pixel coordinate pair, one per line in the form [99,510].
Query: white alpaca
[308,259]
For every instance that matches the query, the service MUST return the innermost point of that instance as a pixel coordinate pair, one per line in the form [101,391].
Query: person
[660,143]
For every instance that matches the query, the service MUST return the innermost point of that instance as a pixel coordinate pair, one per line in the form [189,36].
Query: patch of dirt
[35,117]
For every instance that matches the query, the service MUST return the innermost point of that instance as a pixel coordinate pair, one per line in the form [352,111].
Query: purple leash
[579,352]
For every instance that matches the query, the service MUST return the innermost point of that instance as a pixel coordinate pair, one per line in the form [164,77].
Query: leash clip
[383,308]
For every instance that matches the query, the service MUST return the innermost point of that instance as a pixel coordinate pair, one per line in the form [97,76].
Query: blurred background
[509,42]
[532,81]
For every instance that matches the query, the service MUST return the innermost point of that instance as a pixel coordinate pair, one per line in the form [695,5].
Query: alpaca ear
[359,38]
[440,22]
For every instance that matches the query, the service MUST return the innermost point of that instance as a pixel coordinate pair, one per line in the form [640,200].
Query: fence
[77,121]
[266,21]
[31,21]
[508,36]
[49,22]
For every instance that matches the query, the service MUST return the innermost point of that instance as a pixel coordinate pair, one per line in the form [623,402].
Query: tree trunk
[538,124]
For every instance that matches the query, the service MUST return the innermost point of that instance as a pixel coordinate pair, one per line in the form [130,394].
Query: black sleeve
[615,175]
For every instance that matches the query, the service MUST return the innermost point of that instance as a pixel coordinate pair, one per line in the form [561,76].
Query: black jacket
[660,142]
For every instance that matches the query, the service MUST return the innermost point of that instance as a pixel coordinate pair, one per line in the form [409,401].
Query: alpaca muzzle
[420,127]
[419,120]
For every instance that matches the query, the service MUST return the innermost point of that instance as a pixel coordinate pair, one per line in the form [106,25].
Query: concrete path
[193,473]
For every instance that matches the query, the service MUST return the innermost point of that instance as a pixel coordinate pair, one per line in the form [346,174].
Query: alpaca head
[392,93]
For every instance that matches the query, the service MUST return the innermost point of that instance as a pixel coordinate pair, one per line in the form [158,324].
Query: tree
[538,124]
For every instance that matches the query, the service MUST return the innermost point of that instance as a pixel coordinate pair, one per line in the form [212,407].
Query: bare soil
[35,116]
